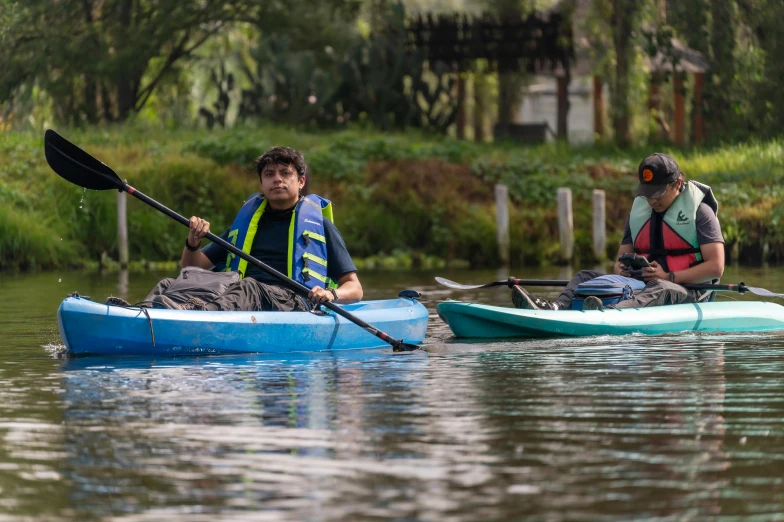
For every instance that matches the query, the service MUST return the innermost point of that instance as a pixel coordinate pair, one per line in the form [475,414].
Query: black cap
[656,172]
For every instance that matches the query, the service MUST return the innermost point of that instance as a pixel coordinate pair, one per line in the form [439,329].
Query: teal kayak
[495,322]
[87,327]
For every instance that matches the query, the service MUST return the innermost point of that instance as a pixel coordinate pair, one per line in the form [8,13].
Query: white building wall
[540,104]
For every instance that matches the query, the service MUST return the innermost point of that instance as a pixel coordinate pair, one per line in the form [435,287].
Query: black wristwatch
[672,277]
[189,247]
[334,293]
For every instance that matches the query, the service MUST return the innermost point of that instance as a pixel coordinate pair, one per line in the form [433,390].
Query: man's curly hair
[282,156]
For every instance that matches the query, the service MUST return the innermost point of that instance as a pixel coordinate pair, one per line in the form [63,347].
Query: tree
[625,14]
[743,42]
[759,66]
[103,59]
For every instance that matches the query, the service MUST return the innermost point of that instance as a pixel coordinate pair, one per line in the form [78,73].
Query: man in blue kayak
[674,224]
[290,232]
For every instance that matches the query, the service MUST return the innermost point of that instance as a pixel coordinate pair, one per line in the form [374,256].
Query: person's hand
[198,229]
[655,271]
[621,269]
[319,295]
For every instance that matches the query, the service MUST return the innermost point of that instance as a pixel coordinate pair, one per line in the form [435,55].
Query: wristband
[334,293]
[672,277]
[189,247]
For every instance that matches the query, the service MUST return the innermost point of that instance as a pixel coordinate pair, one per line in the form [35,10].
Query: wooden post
[565,223]
[122,229]
[504,103]
[502,222]
[599,225]
[653,98]
[563,107]
[653,93]
[479,107]
[680,110]
[122,284]
[654,106]
[699,124]
[598,107]
[461,106]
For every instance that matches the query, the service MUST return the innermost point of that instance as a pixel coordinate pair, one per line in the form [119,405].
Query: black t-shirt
[270,246]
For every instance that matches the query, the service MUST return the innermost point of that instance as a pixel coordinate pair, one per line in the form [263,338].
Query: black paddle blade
[76,166]
[404,347]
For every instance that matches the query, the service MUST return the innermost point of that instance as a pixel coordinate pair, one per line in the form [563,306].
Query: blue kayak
[87,327]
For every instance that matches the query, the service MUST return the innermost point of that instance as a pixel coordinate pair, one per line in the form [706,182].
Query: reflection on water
[667,428]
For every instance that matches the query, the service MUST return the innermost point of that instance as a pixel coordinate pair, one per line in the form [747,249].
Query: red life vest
[678,253]
[678,227]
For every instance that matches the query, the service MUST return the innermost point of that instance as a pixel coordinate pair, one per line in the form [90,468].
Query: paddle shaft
[741,288]
[533,282]
[285,280]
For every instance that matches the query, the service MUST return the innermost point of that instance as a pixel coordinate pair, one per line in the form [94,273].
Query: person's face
[281,185]
[664,201]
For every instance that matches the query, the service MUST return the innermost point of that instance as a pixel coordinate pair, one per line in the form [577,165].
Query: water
[686,427]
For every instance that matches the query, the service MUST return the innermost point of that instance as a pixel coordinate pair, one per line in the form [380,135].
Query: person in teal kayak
[674,224]
[290,232]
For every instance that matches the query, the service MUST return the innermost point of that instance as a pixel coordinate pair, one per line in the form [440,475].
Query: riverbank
[400,199]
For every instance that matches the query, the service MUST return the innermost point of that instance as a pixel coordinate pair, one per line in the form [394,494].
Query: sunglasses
[669,185]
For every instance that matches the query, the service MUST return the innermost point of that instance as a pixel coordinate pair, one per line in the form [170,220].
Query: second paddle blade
[762,292]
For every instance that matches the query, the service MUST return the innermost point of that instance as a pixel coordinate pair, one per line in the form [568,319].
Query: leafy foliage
[374,79]
[103,60]
[396,195]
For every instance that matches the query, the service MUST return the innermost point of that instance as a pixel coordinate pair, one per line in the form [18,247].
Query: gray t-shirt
[708,227]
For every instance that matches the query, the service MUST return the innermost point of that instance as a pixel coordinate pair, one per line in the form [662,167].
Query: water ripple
[683,427]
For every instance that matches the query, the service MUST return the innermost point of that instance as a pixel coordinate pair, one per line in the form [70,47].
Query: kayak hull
[91,328]
[495,322]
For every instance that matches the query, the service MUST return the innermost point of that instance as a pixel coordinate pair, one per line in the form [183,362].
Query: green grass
[29,241]
[401,199]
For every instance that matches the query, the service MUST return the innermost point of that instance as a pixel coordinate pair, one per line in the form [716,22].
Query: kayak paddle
[506,282]
[741,287]
[78,167]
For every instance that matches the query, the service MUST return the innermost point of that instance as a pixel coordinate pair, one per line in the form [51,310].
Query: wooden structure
[680,61]
[540,42]
[676,64]
[532,44]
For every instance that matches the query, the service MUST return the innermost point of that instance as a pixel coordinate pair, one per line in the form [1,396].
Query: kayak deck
[495,322]
[87,327]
